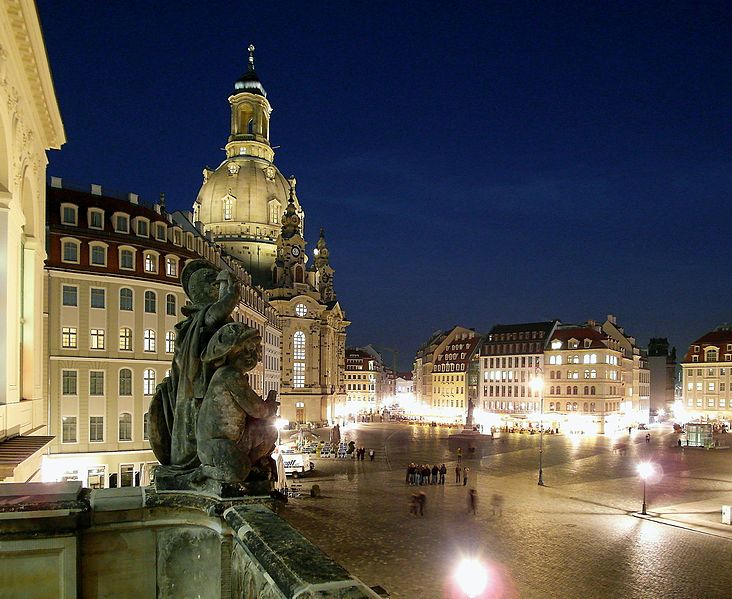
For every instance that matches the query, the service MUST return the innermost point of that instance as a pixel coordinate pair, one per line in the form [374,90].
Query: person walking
[443,472]
[460,454]
[466,470]
[372,454]
[497,504]
[472,501]
[648,437]
[421,500]
[458,472]
[435,471]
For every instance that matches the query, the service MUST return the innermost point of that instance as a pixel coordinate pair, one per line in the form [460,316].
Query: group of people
[361,454]
[424,474]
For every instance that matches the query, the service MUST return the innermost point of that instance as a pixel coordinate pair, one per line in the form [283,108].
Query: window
[98,255]
[146,426]
[96,382]
[149,340]
[177,238]
[125,381]
[298,345]
[274,212]
[148,381]
[126,475]
[170,305]
[710,355]
[298,375]
[97,298]
[228,207]
[125,427]
[68,382]
[301,310]
[70,251]
[97,338]
[68,429]
[127,259]
[125,339]
[125,299]
[171,266]
[170,342]
[68,214]
[70,295]
[151,263]
[122,223]
[96,218]
[150,302]
[160,233]
[96,429]
[68,337]
[142,228]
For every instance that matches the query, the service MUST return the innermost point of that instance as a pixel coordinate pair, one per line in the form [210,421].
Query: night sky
[472,163]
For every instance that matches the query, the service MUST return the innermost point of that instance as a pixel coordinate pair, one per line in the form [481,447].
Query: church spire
[251,57]
[325,272]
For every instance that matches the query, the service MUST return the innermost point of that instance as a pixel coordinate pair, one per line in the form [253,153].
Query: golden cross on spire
[251,56]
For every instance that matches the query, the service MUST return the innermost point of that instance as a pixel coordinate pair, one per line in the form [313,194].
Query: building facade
[114,298]
[247,207]
[511,357]
[364,382]
[662,367]
[706,378]
[422,373]
[30,124]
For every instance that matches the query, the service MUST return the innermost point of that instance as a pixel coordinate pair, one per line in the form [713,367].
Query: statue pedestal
[168,479]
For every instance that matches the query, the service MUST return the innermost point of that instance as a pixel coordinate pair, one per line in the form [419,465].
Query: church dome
[244,191]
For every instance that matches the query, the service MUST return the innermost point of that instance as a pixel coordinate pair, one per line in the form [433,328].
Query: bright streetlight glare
[472,576]
[537,384]
[645,469]
[281,423]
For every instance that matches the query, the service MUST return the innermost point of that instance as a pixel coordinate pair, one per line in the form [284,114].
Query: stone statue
[235,430]
[175,407]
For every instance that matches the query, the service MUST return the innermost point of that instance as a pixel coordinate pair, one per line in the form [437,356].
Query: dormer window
[573,344]
[160,232]
[95,218]
[143,227]
[177,237]
[69,214]
[189,241]
[588,342]
[121,223]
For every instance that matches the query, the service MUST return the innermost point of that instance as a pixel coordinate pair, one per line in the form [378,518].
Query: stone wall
[60,540]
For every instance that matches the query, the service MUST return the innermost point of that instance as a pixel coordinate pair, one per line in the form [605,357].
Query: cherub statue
[236,432]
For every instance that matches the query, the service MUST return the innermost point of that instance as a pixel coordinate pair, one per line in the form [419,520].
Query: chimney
[96,189]
[611,319]
[56,183]
[133,198]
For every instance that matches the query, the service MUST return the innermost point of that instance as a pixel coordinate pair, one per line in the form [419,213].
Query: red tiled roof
[581,333]
[718,339]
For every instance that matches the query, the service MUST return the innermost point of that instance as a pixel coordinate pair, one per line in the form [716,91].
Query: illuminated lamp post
[537,385]
[645,469]
[472,576]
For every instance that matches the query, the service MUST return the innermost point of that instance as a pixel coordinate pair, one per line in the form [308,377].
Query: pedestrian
[372,454]
[679,442]
[435,471]
[648,437]
[497,504]
[443,472]
[630,429]
[460,454]
[472,501]
[426,474]
[458,472]
[413,504]
[466,470]
[409,474]
[422,500]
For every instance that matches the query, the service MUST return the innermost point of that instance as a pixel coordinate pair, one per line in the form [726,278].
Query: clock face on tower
[295,251]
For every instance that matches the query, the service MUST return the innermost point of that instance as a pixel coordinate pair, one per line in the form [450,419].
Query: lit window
[228,207]
[68,382]
[97,298]
[301,310]
[70,251]
[148,380]
[170,305]
[171,267]
[710,355]
[96,382]
[170,342]
[125,427]
[127,259]
[298,375]
[149,340]
[151,263]
[97,338]
[68,337]
[125,339]
[96,429]
[68,429]
[125,299]
[298,345]
[125,381]
[150,302]
[70,295]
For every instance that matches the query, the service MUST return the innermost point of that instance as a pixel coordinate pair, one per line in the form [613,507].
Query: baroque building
[253,213]
[30,124]
[114,299]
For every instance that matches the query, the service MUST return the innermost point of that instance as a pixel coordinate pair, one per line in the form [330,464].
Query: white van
[296,463]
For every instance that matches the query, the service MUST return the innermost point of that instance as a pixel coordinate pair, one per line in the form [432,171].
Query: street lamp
[472,577]
[537,385]
[645,469]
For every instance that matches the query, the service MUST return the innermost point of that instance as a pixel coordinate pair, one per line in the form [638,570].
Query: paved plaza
[576,537]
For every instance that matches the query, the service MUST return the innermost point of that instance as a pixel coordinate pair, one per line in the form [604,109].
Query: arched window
[150,302]
[569,390]
[148,381]
[149,340]
[592,391]
[125,299]
[250,127]
[169,342]
[125,381]
[170,304]
[593,359]
[125,339]
[587,374]
[587,390]
[551,406]
[228,207]
[574,406]
[125,426]
[551,374]
[568,407]
[298,354]
[710,355]
[586,359]
[584,407]
[574,390]
[298,274]
[146,426]
[593,374]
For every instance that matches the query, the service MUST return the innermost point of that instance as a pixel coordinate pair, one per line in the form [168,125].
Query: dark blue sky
[472,163]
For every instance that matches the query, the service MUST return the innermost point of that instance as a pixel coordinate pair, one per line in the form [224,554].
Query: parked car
[642,427]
